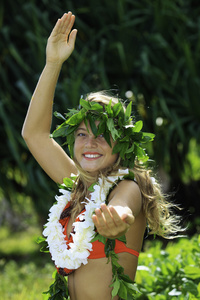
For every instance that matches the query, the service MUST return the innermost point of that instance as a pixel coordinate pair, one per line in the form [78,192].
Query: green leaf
[198,289]
[122,239]
[86,104]
[117,148]
[137,136]
[131,162]
[96,106]
[128,111]
[77,118]
[71,129]
[59,116]
[60,131]
[109,246]
[68,182]
[115,264]
[192,272]
[138,126]
[126,279]
[58,289]
[122,290]
[71,112]
[125,139]
[131,149]
[99,237]
[140,153]
[107,137]
[95,238]
[147,137]
[91,187]
[109,109]
[92,124]
[45,248]
[115,285]
[70,142]
[101,127]
[130,297]
[124,148]
[130,175]
[111,127]
[116,109]
[40,239]
[189,286]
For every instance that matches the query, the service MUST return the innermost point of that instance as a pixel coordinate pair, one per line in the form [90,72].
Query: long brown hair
[158,210]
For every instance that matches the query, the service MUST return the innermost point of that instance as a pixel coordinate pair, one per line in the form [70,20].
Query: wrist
[54,65]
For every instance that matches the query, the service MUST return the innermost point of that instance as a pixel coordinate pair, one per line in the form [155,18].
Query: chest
[70,221]
[69,228]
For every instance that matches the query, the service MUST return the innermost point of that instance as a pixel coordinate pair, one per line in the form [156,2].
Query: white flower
[73,255]
[153,180]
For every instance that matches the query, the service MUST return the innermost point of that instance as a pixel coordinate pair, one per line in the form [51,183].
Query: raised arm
[37,124]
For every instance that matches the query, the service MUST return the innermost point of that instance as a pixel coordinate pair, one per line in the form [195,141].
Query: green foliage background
[163,273]
[148,47]
[151,48]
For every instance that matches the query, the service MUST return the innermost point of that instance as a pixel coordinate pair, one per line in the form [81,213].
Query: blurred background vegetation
[148,51]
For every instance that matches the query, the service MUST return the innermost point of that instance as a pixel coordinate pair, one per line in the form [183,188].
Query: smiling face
[93,154]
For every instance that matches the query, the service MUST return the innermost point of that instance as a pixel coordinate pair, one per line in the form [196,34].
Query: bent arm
[37,124]
[125,204]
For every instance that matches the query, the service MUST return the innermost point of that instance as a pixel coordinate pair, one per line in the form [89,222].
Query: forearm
[59,47]
[39,116]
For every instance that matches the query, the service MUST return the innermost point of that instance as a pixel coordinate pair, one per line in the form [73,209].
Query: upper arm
[51,157]
[127,195]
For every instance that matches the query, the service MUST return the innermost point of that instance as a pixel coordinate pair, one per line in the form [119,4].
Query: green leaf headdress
[115,122]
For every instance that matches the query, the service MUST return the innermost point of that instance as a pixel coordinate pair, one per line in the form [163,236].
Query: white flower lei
[78,252]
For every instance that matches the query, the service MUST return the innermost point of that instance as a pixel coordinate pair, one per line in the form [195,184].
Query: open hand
[62,40]
[110,223]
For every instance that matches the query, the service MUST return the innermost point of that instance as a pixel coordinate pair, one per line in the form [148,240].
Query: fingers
[56,28]
[107,216]
[109,223]
[64,25]
[67,22]
[72,38]
[129,219]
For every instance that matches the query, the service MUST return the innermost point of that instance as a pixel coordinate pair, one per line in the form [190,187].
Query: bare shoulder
[127,193]
[127,187]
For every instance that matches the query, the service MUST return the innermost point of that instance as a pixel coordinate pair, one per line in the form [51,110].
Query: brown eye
[81,134]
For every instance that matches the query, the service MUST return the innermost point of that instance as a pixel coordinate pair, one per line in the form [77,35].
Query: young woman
[107,203]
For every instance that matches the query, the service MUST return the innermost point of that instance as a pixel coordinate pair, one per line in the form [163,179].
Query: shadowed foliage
[151,48]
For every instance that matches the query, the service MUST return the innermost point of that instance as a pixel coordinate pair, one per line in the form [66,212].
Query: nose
[91,142]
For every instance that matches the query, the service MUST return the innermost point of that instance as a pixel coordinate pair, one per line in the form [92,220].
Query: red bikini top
[97,246]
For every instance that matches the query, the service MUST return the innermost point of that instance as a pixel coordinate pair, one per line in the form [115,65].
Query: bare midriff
[92,281]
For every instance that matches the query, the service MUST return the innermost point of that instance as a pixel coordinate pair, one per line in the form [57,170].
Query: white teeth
[92,155]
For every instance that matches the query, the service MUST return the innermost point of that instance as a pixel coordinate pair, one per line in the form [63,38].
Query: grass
[24,272]
[170,272]
[18,243]
[24,280]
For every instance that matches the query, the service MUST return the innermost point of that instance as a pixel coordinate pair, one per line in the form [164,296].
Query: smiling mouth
[92,155]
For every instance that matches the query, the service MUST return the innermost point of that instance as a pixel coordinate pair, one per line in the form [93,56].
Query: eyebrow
[80,128]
